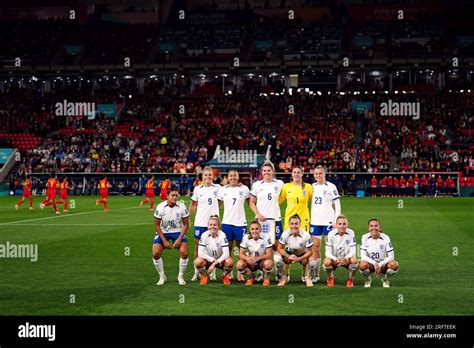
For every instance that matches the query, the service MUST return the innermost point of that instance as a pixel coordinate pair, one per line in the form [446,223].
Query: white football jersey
[255,247]
[376,249]
[214,246]
[296,245]
[322,212]
[171,217]
[234,201]
[341,246]
[207,204]
[267,194]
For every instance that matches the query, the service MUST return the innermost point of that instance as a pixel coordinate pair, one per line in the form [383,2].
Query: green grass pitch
[83,254]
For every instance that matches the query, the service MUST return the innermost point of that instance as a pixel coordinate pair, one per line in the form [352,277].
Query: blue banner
[361,106]
[4,154]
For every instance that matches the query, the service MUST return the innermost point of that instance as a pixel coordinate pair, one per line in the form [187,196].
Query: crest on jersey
[348,242]
[241,194]
[304,193]
[325,192]
[301,245]
[276,188]
[381,247]
[177,215]
[261,246]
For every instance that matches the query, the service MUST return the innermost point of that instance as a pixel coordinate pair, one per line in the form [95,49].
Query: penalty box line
[66,215]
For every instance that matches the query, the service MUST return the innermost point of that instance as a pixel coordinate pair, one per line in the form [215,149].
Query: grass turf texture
[83,253]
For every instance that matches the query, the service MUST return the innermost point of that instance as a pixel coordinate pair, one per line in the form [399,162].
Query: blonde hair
[207,169]
[342,216]
[216,218]
[268,163]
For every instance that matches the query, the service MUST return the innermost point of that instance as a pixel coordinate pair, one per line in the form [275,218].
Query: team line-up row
[267,246]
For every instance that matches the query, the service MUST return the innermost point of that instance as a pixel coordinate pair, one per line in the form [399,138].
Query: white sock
[366,272]
[352,269]
[183,263]
[279,264]
[328,270]
[159,267]
[310,269]
[196,271]
[318,266]
[390,272]
[246,271]
[267,274]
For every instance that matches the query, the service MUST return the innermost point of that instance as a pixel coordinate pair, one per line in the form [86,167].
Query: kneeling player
[377,255]
[295,245]
[255,254]
[171,222]
[341,251]
[213,251]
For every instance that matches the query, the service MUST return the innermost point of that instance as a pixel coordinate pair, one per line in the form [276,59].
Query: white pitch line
[66,215]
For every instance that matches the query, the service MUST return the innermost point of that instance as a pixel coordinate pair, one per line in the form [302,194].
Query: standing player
[341,251]
[213,252]
[295,245]
[104,192]
[264,202]
[150,192]
[204,203]
[255,254]
[297,195]
[171,222]
[383,186]
[325,208]
[234,224]
[450,186]
[377,255]
[439,186]
[26,193]
[373,186]
[63,187]
[51,186]
[164,187]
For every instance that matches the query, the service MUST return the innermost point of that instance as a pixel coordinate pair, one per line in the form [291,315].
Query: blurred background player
[51,186]
[341,251]
[171,222]
[204,203]
[297,195]
[264,202]
[373,186]
[149,193]
[255,254]
[234,224]
[213,252]
[63,187]
[295,245]
[104,192]
[26,193]
[164,187]
[325,208]
[377,255]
